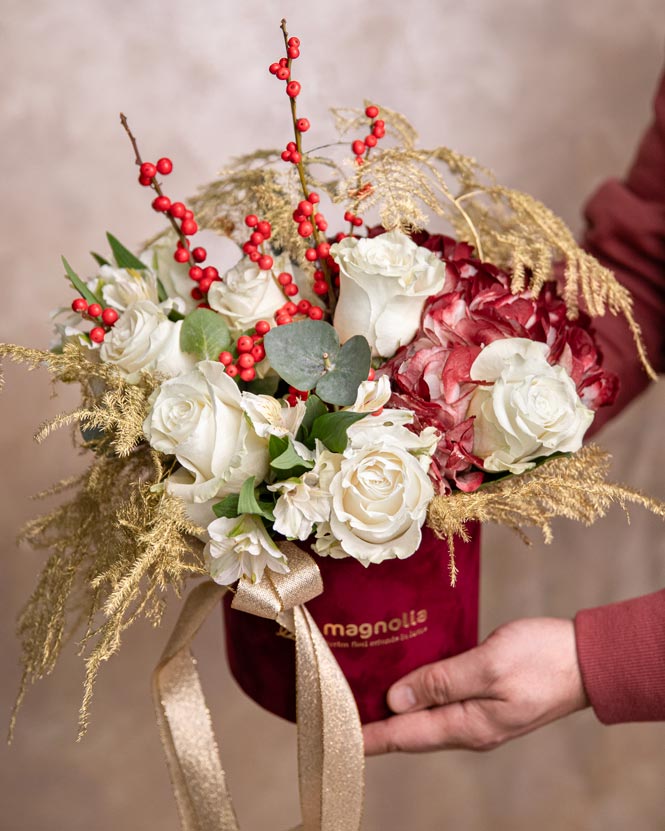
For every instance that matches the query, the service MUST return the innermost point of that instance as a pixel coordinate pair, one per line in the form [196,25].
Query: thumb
[433,685]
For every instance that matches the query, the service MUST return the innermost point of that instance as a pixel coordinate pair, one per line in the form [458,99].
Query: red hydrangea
[475,307]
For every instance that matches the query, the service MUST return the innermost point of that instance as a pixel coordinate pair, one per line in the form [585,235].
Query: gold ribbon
[330,747]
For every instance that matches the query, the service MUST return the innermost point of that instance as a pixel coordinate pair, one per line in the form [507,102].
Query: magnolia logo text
[379,627]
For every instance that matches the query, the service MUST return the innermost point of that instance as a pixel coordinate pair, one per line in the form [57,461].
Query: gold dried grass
[572,486]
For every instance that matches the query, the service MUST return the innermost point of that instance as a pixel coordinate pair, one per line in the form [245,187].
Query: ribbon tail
[199,782]
[330,746]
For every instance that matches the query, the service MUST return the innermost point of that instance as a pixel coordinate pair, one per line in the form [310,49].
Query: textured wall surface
[553,96]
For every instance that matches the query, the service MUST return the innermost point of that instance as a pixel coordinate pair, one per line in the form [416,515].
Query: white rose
[199,419]
[247,294]
[390,426]
[379,502]
[241,548]
[526,408]
[120,287]
[144,339]
[372,395]
[384,284]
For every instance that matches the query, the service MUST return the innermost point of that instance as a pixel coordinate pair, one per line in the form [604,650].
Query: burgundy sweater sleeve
[621,647]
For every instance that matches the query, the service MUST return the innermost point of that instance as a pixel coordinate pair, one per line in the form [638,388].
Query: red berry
[348,216]
[320,287]
[199,254]
[232,370]
[358,147]
[377,131]
[339,237]
[210,273]
[286,155]
[148,170]
[293,41]
[164,166]
[196,293]
[298,216]
[272,69]
[291,146]
[97,334]
[110,316]
[283,73]
[359,160]
[321,222]
[372,375]
[305,229]
[371,140]
[145,181]
[265,262]
[254,256]
[303,125]
[284,278]
[195,273]
[283,319]
[262,327]
[315,313]
[314,198]
[293,52]
[310,255]
[290,308]
[258,353]
[248,248]
[380,124]
[246,360]
[79,305]
[295,157]
[304,306]
[323,249]
[292,400]
[283,61]
[94,310]
[245,343]
[291,290]
[248,374]
[251,220]
[357,221]
[189,227]
[225,358]
[188,215]
[371,111]
[256,238]
[204,284]
[161,203]
[181,255]
[177,210]
[293,89]
[306,208]
[264,228]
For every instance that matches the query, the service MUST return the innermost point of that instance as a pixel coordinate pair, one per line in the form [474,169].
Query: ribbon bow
[330,747]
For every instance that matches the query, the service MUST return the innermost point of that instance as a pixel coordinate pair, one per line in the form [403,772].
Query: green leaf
[290,460]
[314,408]
[175,316]
[99,259]
[204,334]
[277,445]
[331,429]
[248,503]
[228,507]
[79,285]
[161,291]
[264,386]
[123,256]
[350,369]
[301,352]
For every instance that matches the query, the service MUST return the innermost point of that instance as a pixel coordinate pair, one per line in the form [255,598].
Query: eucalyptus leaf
[79,285]
[204,334]
[331,429]
[123,256]
[350,368]
[302,352]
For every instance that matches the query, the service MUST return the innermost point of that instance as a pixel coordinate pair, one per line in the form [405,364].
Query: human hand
[522,677]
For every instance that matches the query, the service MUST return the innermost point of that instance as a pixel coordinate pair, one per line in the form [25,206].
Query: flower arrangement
[344,390]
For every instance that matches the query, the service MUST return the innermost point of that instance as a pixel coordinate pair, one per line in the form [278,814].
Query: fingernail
[401,698]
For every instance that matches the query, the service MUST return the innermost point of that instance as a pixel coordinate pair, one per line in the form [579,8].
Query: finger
[444,682]
[444,728]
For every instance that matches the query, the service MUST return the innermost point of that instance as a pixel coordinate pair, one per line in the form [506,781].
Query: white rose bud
[372,395]
[526,408]
[144,339]
[248,294]
[199,419]
[384,283]
[241,548]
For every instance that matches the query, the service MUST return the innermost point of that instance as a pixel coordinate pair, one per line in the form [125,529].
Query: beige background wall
[553,95]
